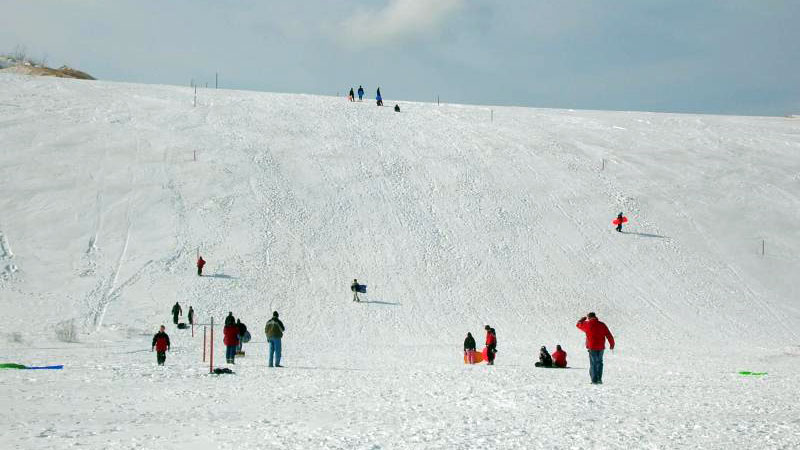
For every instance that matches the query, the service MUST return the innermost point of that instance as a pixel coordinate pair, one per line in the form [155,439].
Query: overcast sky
[712,56]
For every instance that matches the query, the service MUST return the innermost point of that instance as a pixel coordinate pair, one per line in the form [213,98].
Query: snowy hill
[455,216]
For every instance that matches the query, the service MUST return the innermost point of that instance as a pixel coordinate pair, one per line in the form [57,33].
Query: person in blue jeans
[274,331]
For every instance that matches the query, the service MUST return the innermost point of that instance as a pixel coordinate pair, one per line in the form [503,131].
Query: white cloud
[399,20]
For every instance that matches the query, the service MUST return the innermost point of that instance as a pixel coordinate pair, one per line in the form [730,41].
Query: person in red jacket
[596,335]
[491,344]
[231,341]
[559,357]
[160,345]
[200,263]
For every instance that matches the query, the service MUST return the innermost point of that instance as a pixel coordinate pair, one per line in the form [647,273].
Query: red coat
[161,342]
[231,333]
[490,339]
[596,334]
[201,262]
[560,358]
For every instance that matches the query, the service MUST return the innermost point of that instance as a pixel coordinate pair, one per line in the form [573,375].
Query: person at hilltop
[160,345]
[230,320]
[469,348]
[545,360]
[379,98]
[491,344]
[360,92]
[190,315]
[200,263]
[596,335]
[396,108]
[231,340]
[351,96]
[176,311]
[274,330]
[242,330]
[560,357]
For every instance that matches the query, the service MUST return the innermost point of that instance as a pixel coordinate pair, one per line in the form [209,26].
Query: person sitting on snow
[559,357]
[545,360]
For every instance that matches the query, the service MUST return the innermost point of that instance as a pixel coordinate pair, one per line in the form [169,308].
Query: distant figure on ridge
[360,92]
[396,108]
[274,331]
[596,334]
[351,96]
[176,311]
[560,357]
[200,263]
[545,360]
[378,98]
[491,344]
[619,221]
[469,348]
[160,345]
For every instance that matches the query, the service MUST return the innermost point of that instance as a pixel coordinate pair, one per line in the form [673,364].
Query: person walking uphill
[596,334]
[274,331]
[360,92]
[176,311]
[200,263]
[351,96]
[190,315]
[491,344]
[378,98]
[160,345]
[231,340]
[469,348]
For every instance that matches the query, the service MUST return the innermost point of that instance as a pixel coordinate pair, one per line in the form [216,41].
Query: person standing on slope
[231,340]
[274,331]
[378,97]
[491,344]
[230,320]
[596,334]
[360,92]
[545,360]
[160,345]
[469,348]
[190,315]
[354,288]
[176,311]
[619,221]
[242,330]
[351,96]
[200,263]
[560,357]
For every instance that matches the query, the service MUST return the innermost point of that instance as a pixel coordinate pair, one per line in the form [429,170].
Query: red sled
[617,221]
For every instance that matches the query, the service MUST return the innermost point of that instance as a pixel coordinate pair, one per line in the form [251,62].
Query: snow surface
[452,219]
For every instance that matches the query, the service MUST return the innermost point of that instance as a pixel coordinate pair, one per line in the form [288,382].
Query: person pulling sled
[619,221]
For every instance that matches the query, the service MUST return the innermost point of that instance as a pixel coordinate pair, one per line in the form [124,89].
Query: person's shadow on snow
[645,234]
[221,275]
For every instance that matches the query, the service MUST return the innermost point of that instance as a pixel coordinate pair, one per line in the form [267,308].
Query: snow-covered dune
[455,216]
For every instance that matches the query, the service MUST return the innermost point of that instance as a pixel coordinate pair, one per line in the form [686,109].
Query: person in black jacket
[354,288]
[190,315]
[242,330]
[469,348]
[545,360]
[176,311]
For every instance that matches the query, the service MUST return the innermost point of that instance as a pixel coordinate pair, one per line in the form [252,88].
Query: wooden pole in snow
[211,353]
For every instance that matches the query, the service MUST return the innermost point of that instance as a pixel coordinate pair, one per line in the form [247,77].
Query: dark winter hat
[558,347]
[591,315]
[469,334]
[487,328]
[275,314]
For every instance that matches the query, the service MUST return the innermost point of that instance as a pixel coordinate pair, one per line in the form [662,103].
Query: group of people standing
[597,333]
[378,97]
